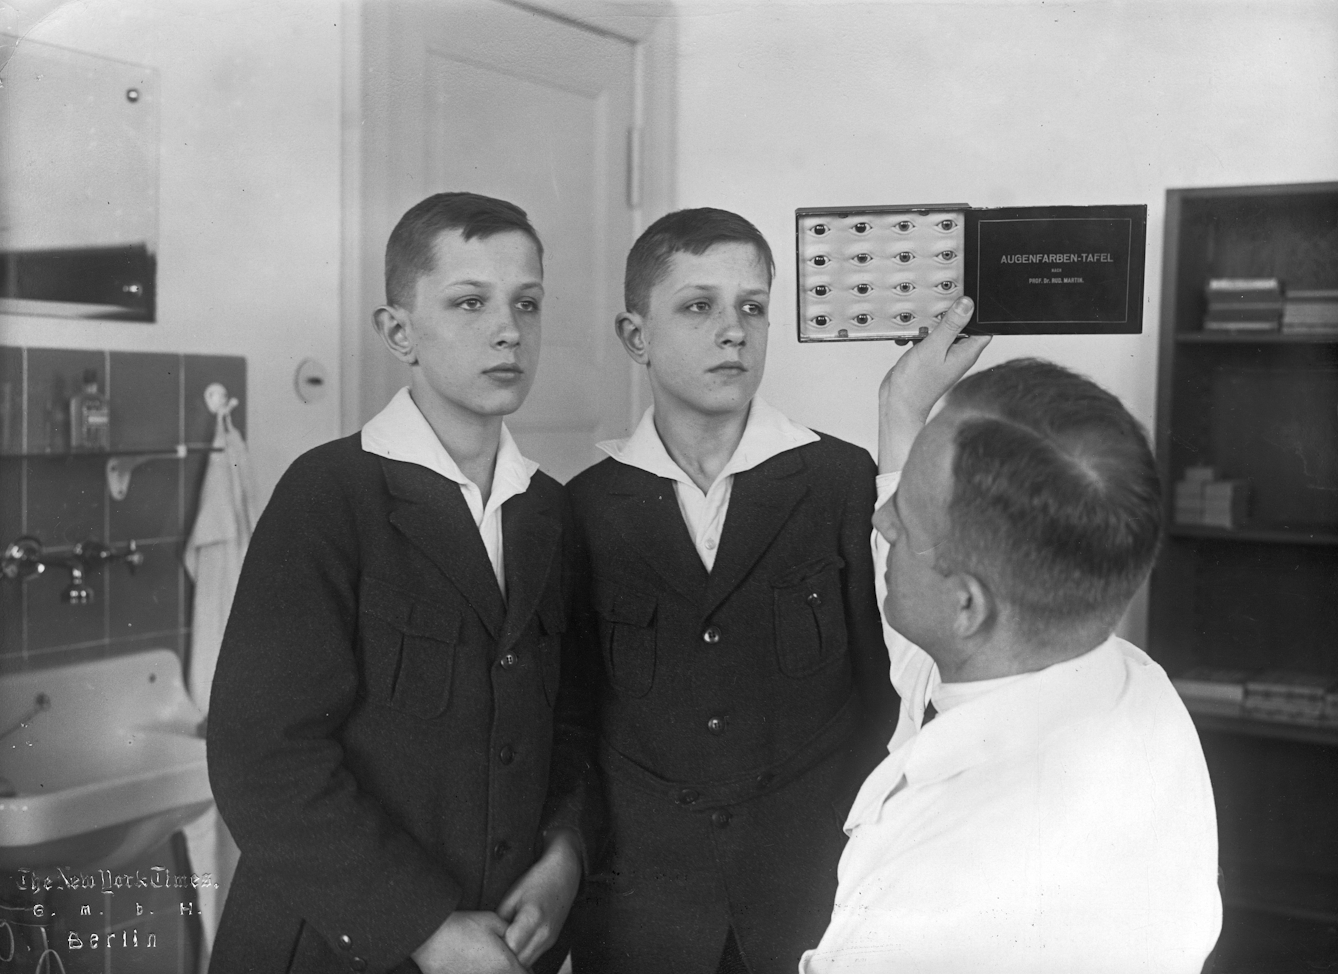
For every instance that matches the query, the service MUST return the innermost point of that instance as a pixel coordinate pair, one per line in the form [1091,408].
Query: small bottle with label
[90,416]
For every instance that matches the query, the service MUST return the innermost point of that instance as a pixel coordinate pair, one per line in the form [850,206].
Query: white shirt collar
[400,431]
[767,433]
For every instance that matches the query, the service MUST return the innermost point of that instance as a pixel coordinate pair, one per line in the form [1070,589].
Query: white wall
[787,104]
[249,197]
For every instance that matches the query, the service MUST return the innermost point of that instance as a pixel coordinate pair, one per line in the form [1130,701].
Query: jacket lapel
[643,508]
[432,513]
[760,503]
[531,536]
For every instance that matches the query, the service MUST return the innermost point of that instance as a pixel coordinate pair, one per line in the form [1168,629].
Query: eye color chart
[890,272]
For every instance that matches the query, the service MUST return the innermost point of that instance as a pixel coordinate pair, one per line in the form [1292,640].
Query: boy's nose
[729,329]
[507,334]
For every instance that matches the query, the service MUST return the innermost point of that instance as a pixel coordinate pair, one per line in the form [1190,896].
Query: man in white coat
[1044,805]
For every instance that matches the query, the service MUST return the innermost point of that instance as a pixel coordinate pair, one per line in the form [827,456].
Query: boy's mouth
[729,367]
[504,370]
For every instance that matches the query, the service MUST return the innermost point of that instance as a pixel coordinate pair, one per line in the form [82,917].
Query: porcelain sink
[107,766]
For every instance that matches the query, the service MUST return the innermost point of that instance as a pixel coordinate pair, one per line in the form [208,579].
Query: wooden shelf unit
[1260,407]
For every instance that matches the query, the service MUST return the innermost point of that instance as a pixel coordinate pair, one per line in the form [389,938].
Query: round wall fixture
[310,381]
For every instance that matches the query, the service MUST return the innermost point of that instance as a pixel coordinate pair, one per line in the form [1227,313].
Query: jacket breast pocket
[627,637]
[552,624]
[809,616]
[408,649]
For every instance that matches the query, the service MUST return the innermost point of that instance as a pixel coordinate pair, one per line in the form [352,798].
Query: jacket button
[500,850]
[687,796]
[814,599]
[506,755]
[716,725]
[720,818]
[711,635]
[344,942]
[358,964]
[509,660]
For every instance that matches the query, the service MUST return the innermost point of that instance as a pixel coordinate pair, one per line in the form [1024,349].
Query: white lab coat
[1061,823]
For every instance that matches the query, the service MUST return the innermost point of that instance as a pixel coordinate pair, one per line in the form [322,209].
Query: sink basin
[107,767]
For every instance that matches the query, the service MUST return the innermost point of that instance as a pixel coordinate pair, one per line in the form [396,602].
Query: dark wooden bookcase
[1263,408]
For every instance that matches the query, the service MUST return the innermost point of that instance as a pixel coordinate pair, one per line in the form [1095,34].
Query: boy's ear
[631,330]
[392,324]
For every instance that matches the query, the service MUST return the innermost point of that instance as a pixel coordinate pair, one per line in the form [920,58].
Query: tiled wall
[157,401]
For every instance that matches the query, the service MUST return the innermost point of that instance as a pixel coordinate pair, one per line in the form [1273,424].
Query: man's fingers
[942,335]
[522,928]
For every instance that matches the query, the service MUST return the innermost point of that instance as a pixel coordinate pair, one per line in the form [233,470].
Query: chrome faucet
[23,560]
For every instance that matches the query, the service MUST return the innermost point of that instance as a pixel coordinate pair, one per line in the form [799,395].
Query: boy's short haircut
[411,249]
[685,231]
[1056,502]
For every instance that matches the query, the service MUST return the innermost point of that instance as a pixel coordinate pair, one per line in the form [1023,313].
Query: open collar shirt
[1056,821]
[401,432]
[767,433]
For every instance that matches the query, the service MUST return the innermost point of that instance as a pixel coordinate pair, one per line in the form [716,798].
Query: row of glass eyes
[904,257]
[901,317]
[901,287]
[901,226]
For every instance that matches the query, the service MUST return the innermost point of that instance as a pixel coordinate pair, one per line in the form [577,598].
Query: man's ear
[392,324]
[975,609]
[631,330]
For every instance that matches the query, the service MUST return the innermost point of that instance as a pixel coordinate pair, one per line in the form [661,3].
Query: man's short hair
[685,231]
[411,250]
[1056,502]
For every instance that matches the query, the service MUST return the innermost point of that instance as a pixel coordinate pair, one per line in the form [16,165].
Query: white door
[495,99]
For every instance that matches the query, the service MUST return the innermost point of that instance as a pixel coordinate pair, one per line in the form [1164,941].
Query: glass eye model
[820,321]
[904,317]
[862,227]
[819,229]
[903,226]
[819,260]
[862,288]
[947,226]
[946,256]
[820,290]
[946,286]
[905,287]
[905,257]
[863,318]
[862,258]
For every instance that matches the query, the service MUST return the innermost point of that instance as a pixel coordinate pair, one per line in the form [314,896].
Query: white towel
[213,557]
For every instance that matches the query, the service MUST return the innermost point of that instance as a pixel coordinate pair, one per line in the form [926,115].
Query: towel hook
[217,399]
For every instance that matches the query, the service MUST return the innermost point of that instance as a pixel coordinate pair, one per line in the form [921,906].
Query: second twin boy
[744,692]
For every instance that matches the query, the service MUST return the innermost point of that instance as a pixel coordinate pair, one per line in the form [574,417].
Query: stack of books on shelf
[1203,500]
[1288,695]
[1243,304]
[1285,696]
[1312,312]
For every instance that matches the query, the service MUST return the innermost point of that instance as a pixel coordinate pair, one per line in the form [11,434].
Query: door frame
[648,25]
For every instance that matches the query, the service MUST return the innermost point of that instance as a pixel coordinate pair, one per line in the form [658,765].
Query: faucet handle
[22,559]
[133,556]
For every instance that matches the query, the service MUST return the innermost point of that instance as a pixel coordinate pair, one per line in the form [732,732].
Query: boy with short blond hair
[387,739]
[744,689]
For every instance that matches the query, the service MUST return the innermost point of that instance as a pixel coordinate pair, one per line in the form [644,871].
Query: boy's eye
[753,308]
[862,288]
[862,227]
[470,304]
[528,304]
[946,225]
[905,257]
[820,290]
[903,226]
[700,306]
[905,287]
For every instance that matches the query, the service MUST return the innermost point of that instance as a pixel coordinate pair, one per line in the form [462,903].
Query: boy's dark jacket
[739,709]
[381,720]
